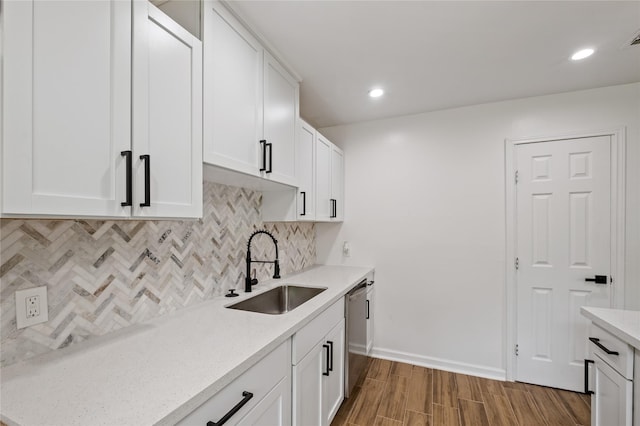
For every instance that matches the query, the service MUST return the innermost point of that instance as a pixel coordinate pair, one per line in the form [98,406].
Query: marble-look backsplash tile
[105,275]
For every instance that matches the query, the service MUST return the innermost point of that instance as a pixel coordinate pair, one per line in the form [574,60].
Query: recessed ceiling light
[376,93]
[581,54]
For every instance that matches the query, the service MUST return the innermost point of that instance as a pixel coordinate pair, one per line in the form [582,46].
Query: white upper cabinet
[337,183]
[66,103]
[67,130]
[250,102]
[233,90]
[280,115]
[306,154]
[329,181]
[297,204]
[167,118]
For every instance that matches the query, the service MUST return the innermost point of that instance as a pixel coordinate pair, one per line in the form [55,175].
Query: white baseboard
[440,364]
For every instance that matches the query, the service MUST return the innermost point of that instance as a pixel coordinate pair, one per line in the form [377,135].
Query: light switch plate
[31,307]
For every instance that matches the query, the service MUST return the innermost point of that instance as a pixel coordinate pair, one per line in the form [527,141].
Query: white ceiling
[432,55]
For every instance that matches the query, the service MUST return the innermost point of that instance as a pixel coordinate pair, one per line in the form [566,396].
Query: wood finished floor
[396,394]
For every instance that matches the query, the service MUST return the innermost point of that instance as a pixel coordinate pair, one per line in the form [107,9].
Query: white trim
[618,223]
[440,364]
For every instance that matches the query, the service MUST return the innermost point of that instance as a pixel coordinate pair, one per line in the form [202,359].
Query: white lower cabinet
[333,384]
[264,390]
[307,388]
[612,396]
[318,368]
[370,304]
[636,389]
[613,371]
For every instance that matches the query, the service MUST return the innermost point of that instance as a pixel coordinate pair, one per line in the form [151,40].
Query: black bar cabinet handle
[304,203]
[331,357]
[263,145]
[333,207]
[586,376]
[246,396]
[368,310]
[129,160]
[608,351]
[598,279]
[147,180]
[326,373]
[270,146]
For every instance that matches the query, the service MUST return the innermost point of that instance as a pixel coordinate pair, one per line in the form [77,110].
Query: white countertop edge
[621,323]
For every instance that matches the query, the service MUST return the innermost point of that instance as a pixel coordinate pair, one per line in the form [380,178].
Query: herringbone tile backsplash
[105,275]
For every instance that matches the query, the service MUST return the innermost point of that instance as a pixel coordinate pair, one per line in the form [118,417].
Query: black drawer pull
[263,145]
[367,308]
[331,357]
[586,376]
[596,342]
[246,396]
[326,373]
[129,160]
[304,203]
[147,180]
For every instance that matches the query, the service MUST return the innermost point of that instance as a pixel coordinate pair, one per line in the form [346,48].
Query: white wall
[425,204]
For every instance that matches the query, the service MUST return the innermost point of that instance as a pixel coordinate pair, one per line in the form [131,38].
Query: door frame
[618,157]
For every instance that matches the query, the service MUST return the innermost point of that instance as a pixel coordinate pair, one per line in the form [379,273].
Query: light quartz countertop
[159,371]
[621,323]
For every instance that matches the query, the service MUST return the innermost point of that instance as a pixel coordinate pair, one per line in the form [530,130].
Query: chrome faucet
[248,282]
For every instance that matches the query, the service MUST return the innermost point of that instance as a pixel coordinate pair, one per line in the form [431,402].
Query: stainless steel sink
[278,300]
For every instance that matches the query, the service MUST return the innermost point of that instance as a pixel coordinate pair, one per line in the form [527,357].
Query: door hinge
[516,176]
[517,263]
[516,350]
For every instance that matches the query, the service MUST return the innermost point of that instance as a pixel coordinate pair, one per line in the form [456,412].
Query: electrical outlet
[31,306]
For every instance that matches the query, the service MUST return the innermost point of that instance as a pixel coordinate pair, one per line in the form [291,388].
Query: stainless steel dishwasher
[356,335]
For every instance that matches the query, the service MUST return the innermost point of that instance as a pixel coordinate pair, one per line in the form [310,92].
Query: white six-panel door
[67,71]
[563,220]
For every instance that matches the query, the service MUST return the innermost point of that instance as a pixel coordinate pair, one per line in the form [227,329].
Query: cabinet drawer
[258,380]
[623,362]
[305,339]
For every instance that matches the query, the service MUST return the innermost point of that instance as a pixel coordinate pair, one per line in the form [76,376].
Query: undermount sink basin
[278,300]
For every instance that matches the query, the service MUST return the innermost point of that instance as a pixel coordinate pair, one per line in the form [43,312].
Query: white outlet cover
[21,307]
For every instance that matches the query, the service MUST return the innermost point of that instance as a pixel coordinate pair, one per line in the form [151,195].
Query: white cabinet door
[306,142]
[333,384]
[370,305]
[280,112]
[308,387]
[323,179]
[337,183]
[233,92]
[167,116]
[274,409]
[612,398]
[66,103]
[636,389]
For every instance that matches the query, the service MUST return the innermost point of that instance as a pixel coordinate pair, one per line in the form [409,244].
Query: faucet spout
[248,282]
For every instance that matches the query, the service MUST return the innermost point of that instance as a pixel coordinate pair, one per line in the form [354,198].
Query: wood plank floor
[396,394]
